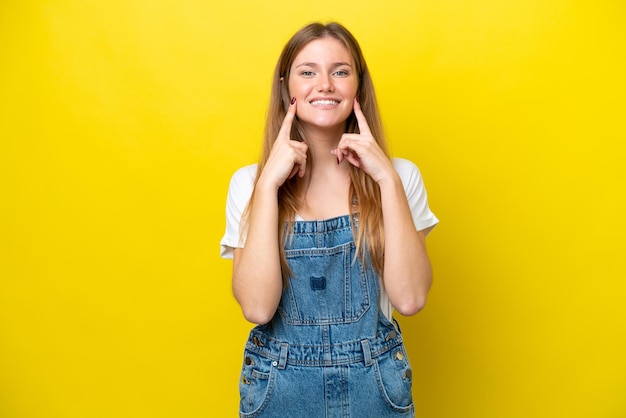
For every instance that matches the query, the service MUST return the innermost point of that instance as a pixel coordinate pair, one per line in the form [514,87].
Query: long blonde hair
[364,191]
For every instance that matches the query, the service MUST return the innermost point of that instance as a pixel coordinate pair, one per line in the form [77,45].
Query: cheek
[347,112]
[295,88]
[351,89]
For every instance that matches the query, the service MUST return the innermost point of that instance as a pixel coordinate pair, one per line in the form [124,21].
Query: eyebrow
[312,64]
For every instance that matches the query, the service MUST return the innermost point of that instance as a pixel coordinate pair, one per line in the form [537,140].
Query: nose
[325,83]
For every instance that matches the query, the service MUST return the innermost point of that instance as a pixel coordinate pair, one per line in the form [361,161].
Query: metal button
[248,361]
[244,380]
[257,342]
[392,334]
[408,374]
[399,355]
[274,363]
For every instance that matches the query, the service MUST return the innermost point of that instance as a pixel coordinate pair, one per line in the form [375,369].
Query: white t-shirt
[242,185]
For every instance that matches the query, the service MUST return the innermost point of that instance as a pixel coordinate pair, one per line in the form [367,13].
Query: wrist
[265,185]
[390,180]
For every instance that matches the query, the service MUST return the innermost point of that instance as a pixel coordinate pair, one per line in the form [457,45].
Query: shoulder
[243,178]
[404,166]
[242,185]
[245,174]
[407,170]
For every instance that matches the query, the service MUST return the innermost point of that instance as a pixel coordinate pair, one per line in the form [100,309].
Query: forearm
[257,280]
[407,275]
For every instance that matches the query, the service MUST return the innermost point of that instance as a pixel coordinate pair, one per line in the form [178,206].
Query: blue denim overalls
[329,351]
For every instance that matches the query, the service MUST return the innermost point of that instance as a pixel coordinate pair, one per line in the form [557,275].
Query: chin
[325,123]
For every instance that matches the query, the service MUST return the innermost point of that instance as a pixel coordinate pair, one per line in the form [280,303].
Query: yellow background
[121,123]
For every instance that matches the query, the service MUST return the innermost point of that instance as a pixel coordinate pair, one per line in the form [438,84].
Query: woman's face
[324,83]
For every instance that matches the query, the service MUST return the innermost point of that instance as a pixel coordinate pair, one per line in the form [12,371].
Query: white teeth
[324,102]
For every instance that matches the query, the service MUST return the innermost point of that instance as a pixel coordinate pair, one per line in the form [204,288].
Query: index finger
[364,128]
[285,128]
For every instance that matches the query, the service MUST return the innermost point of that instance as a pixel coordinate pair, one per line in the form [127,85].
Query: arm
[257,278]
[257,282]
[407,276]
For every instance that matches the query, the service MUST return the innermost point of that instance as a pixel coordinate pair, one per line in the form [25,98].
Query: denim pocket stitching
[356,301]
[254,374]
[384,386]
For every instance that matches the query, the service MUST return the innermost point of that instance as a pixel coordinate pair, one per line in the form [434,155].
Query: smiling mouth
[324,102]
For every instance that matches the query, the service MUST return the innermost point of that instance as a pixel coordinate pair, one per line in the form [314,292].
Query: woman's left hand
[362,150]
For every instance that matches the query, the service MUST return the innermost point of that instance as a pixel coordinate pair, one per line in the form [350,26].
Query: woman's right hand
[287,156]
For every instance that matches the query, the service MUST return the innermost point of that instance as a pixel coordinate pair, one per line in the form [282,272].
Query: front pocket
[395,379]
[255,384]
[327,287]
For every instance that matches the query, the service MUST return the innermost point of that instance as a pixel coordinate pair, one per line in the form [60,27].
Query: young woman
[327,239]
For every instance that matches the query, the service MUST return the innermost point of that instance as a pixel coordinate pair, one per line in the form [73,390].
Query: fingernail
[293,100]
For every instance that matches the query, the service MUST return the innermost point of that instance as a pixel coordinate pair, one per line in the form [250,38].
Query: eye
[342,73]
[307,73]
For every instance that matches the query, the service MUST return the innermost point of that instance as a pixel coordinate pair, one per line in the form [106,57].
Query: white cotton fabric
[242,185]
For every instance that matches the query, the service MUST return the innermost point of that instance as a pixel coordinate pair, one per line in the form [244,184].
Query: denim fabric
[329,351]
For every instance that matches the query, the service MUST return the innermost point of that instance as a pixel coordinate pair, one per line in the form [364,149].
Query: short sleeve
[415,190]
[239,193]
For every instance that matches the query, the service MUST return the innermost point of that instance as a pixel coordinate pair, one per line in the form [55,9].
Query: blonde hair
[364,191]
